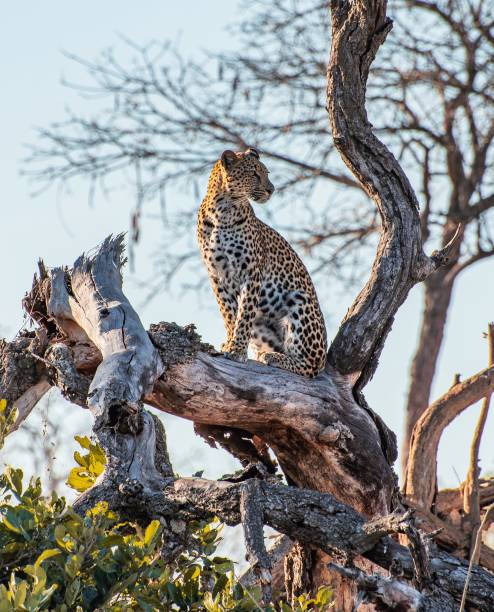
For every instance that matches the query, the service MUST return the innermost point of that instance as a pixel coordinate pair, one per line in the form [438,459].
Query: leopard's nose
[270,188]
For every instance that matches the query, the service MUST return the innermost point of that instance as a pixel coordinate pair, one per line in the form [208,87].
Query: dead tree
[336,453]
[432,101]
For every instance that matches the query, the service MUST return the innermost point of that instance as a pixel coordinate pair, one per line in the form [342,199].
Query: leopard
[265,293]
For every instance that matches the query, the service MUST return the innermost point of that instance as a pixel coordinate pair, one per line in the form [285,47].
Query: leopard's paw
[265,358]
[233,353]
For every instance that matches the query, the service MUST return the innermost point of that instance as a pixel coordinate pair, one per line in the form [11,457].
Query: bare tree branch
[471,491]
[420,485]
[400,262]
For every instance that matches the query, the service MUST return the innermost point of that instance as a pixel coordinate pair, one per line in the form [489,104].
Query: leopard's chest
[229,253]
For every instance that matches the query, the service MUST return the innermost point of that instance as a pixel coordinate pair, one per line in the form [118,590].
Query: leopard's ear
[252,151]
[228,159]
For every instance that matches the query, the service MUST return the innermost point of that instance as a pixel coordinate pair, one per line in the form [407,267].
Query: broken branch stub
[91,296]
[89,307]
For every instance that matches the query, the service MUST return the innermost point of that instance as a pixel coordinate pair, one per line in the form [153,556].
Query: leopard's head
[245,175]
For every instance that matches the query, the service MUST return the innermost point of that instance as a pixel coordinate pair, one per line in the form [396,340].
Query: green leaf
[223,568]
[73,566]
[5,605]
[14,478]
[174,593]
[84,441]
[238,591]
[151,531]
[83,461]
[191,573]
[47,593]
[324,596]
[10,521]
[219,585]
[47,554]
[79,480]
[20,594]
[111,540]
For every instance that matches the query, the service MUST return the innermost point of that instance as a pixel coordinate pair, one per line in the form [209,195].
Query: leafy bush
[54,559]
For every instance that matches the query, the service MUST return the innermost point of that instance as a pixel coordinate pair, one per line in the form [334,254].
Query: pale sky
[58,227]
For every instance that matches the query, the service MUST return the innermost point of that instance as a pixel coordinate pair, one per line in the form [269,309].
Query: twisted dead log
[321,437]
[318,419]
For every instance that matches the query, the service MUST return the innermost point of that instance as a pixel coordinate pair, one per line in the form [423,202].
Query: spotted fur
[264,291]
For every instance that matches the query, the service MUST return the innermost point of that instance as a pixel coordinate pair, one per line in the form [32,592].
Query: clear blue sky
[58,227]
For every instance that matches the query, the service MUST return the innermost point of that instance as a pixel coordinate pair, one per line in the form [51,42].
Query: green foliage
[53,559]
[322,601]
[89,467]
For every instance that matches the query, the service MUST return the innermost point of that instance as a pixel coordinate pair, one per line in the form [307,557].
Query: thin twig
[478,541]
[471,499]
[471,495]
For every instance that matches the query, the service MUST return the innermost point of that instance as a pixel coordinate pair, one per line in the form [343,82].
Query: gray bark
[321,437]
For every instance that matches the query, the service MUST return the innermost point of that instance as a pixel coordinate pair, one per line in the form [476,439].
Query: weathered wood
[92,297]
[438,289]
[451,500]
[322,439]
[393,594]
[319,433]
[20,370]
[451,536]
[320,520]
[471,490]
[358,30]
[475,553]
[23,379]
[420,484]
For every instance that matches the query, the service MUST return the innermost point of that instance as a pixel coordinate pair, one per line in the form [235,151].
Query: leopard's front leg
[238,341]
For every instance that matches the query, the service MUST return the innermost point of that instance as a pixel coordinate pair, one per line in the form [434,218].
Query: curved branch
[420,484]
[359,28]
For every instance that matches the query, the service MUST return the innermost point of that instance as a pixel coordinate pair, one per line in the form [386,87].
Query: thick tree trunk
[437,299]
